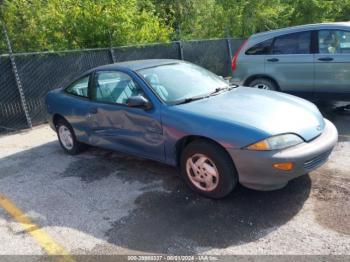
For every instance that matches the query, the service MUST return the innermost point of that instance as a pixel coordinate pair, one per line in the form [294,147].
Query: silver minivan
[303,60]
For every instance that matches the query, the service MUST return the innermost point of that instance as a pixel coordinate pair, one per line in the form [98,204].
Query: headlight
[276,142]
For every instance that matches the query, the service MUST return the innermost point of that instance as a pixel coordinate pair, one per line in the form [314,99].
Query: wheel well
[251,78]
[56,118]
[183,142]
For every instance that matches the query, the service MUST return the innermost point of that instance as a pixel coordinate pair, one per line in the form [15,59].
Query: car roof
[138,64]
[133,65]
[335,25]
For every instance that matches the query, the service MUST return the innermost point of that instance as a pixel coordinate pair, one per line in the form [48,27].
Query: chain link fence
[12,116]
[155,51]
[210,54]
[39,73]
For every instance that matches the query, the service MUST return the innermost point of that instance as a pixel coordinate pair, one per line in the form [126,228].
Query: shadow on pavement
[168,218]
[178,221]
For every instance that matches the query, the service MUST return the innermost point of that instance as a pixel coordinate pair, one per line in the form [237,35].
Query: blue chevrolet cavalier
[183,115]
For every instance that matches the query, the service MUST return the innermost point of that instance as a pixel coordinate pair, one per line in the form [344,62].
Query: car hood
[268,111]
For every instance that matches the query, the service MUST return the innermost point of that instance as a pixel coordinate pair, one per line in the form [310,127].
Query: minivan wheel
[67,138]
[263,83]
[208,169]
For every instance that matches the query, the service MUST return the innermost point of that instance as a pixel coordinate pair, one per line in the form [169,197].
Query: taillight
[235,57]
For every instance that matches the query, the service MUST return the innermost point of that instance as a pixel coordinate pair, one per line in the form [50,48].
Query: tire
[217,160]
[263,83]
[64,128]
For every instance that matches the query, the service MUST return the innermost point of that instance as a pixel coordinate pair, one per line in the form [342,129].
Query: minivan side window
[295,43]
[333,41]
[79,87]
[262,48]
[114,87]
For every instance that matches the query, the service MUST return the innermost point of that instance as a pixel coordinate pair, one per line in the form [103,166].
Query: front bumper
[255,168]
[236,81]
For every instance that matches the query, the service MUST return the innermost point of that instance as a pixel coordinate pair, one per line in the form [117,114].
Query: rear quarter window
[79,87]
[262,48]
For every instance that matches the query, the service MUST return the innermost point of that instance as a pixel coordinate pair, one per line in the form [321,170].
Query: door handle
[273,59]
[325,59]
[93,110]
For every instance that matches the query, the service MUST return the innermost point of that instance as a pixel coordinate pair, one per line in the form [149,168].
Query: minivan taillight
[235,57]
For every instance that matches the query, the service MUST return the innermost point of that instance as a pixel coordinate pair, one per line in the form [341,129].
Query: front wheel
[208,169]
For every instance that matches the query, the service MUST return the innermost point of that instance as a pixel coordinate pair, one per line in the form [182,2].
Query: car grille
[317,161]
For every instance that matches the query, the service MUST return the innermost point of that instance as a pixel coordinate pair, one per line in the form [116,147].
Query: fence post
[181,51]
[18,80]
[111,51]
[229,51]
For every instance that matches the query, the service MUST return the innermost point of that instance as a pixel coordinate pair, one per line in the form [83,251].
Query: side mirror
[139,101]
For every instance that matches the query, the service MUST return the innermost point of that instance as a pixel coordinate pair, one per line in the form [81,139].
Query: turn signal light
[262,145]
[284,166]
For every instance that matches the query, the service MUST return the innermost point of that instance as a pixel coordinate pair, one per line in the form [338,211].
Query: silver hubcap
[66,137]
[262,86]
[202,172]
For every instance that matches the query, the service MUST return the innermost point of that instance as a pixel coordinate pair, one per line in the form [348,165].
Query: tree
[68,24]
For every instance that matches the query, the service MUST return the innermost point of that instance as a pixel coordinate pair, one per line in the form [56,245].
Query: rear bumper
[50,120]
[255,168]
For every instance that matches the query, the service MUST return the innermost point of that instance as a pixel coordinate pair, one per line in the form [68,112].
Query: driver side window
[114,87]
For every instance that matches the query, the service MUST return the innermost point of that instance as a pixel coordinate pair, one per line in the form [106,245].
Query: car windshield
[178,82]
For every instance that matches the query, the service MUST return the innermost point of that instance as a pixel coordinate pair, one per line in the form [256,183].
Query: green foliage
[36,25]
[69,24]
[3,47]
[241,18]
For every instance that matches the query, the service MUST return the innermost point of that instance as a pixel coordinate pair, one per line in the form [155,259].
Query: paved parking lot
[102,202]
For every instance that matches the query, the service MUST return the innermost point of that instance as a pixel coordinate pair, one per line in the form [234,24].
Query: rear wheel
[67,138]
[263,83]
[208,169]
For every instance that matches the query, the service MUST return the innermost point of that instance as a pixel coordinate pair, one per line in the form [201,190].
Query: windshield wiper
[215,92]
[219,89]
[190,99]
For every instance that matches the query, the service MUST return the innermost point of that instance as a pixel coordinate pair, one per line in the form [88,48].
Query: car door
[291,62]
[332,62]
[115,125]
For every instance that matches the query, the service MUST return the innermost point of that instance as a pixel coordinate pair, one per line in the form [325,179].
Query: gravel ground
[102,202]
